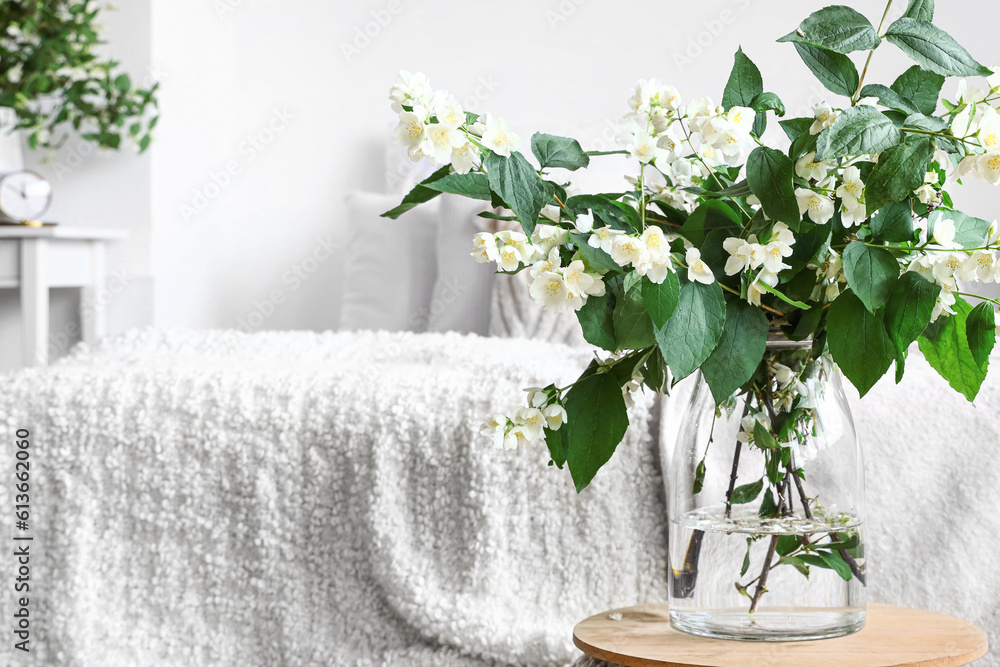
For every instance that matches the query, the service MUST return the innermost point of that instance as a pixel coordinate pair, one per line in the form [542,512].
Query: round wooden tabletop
[892,637]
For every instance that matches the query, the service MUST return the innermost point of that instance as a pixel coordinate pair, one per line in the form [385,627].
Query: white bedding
[317,499]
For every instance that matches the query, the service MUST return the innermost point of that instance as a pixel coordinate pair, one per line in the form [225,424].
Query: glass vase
[767,506]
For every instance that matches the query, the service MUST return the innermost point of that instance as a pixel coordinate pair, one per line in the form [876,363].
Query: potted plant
[51,79]
[767,272]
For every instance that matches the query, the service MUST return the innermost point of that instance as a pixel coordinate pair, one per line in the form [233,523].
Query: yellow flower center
[553,288]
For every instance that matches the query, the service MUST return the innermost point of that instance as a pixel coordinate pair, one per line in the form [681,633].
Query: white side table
[35,259]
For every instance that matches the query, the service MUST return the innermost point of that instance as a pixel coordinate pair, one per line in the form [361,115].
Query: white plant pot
[11,143]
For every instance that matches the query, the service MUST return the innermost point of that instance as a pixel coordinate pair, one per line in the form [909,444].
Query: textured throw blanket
[315,499]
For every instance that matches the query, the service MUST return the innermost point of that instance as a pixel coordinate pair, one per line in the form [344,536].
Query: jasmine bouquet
[845,237]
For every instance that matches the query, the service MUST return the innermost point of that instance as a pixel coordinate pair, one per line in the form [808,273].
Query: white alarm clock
[24,196]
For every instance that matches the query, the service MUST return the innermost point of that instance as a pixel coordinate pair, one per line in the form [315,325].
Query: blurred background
[273,111]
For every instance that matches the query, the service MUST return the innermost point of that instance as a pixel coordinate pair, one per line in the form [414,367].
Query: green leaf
[857,131]
[711,215]
[596,259]
[744,83]
[981,331]
[834,70]
[762,437]
[747,493]
[563,152]
[514,179]
[837,564]
[746,559]
[945,345]
[736,357]
[768,508]
[933,49]
[858,342]
[796,127]
[695,328]
[797,562]
[556,442]
[597,421]
[836,28]
[770,174]
[970,232]
[894,223]
[787,544]
[633,327]
[473,186]
[791,302]
[419,194]
[597,321]
[920,9]
[123,83]
[909,309]
[871,273]
[900,170]
[889,98]
[661,300]
[762,104]
[920,87]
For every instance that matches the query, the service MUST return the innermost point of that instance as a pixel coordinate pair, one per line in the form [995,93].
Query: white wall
[231,68]
[98,189]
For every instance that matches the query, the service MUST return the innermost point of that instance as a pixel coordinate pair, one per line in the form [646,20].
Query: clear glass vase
[767,507]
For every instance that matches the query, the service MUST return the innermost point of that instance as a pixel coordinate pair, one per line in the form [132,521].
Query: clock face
[24,195]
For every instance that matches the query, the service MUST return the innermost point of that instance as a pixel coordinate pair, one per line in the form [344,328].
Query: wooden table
[35,259]
[893,636]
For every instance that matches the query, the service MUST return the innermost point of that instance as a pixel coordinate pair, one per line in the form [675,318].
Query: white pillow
[390,267]
[461,297]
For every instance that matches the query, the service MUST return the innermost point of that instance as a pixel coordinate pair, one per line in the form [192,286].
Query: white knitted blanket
[315,499]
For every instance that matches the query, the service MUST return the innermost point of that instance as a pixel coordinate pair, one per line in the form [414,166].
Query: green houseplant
[52,78]
[767,270]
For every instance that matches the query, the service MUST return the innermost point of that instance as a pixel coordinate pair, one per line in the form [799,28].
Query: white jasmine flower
[410,131]
[410,88]
[672,147]
[517,437]
[555,416]
[967,94]
[450,115]
[808,168]
[513,249]
[699,112]
[944,233]
[550,263]
[783,375]
[947,264]
[498,137]
[485,248]
[980,265]
[994,79]
[774,253]
[549,291]
[463,158]
[853,212]
[584,223]
[756,290]
[744,254]
[832,291]
[536,397]
[656,271]
[578,282]
[825,116]
[642,146]
[533,421]
[629,251]
[989,134]
[443,140]
[550,212]
[547,237]
[927,194]
[697,269]
[603,238]
[819,208]
[656,243]
[945,300]
[712,157]
[495,428]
